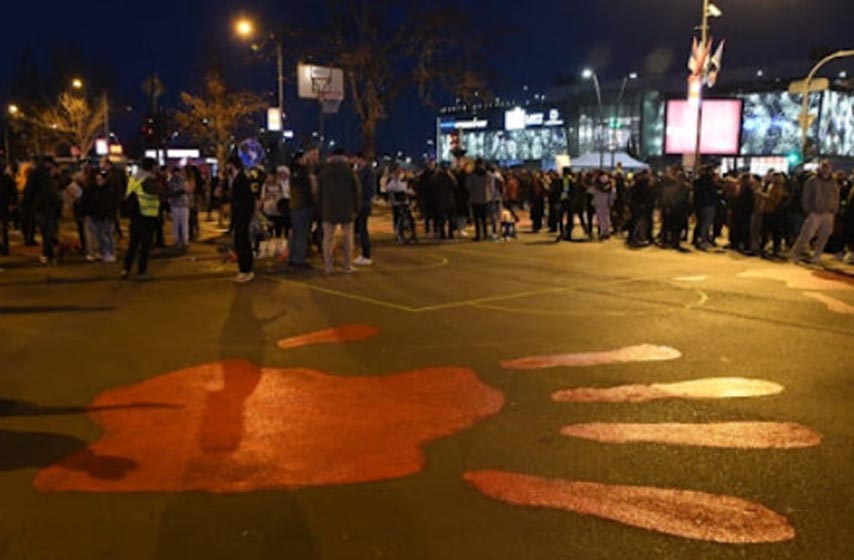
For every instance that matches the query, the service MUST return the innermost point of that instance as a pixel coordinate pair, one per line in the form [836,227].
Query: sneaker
[91,258]
[244,277]
[109,259]
[349,270]
[849,258]
[362,261]
[43,259]
[124,275]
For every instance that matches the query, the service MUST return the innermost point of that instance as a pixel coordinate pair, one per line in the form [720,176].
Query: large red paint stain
[335,335]
[641,353]
[729,435]
[683,513]
[237,427]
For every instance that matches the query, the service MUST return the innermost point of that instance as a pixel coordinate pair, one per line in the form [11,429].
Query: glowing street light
[13,110]
[244,27]
[77,83]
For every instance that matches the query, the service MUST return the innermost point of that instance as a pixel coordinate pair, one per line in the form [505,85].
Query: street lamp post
[619,110]
[589,74]
[245,29]
[12,112]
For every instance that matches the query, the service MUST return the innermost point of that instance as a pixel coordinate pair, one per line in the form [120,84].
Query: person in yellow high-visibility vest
[143,199]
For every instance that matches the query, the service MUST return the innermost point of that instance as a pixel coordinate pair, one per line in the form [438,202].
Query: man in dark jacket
[41,195]
[479,185]
[301,208]
[368,182]
[339,202]
[442,188]
[705,205]
[8,199]
[243,206]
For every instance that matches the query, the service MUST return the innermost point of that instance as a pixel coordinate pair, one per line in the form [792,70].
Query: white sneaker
[362,261]
[43,259]
[110,259]
[91,258]
[244,277]
[849,258]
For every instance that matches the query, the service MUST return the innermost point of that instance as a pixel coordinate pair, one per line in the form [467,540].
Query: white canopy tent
[595,160]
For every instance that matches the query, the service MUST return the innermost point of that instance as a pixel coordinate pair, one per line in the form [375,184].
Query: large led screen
[721,127]
[771,126]
[837,124]
[509,146]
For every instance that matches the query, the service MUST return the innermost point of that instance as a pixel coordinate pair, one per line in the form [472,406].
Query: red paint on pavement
[236,427]
[833,304]
[731,435]
[684,513]
[642,353]
[802,279]
[712,388]
[345,333]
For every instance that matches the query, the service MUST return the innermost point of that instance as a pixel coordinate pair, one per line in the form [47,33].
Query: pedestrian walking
[339,202]
[820,201]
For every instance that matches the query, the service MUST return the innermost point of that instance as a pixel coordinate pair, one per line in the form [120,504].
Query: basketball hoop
[330,106]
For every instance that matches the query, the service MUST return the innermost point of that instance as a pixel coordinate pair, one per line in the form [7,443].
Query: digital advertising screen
[721,127]
[770,125]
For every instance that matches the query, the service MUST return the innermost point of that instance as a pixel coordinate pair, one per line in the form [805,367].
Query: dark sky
[534,42]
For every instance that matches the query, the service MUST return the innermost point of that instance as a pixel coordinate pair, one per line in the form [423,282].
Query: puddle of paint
[335,335]
[683,513]
[641,353]
[235,427]
[711,388]
[834,305]
[729,435]
[800,278]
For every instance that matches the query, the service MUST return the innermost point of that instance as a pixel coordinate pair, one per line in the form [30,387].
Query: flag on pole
[715,65]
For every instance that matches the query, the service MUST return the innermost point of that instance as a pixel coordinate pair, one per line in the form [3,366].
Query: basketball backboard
[320,82]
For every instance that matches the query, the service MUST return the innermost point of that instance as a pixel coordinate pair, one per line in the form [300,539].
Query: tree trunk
[369,139]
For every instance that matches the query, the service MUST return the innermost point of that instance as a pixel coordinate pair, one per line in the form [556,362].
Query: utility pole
[280,63]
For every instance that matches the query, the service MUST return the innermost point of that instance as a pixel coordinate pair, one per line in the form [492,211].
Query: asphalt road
[271,461]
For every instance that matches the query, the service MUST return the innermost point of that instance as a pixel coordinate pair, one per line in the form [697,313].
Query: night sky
[534,42]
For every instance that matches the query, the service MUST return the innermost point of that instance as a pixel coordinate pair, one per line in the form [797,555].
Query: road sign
[816,85]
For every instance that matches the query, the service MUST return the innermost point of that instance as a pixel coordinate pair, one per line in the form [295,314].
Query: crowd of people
[293,208]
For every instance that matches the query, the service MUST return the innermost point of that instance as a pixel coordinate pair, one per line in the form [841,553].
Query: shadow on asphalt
[22,450]
[15,408]
[34,310]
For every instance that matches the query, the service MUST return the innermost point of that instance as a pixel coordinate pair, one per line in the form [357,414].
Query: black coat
[242,200]
[8,195]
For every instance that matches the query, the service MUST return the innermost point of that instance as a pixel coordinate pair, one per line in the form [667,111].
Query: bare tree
[214,117]
[385,46]
[73,121]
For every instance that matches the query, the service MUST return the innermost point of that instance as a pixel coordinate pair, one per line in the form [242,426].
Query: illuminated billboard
[721,127]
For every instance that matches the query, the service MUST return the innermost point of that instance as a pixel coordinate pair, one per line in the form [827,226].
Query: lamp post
[12,112]
[77,84]
[245,29]
[589,74]
[709,11]
[619,109]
